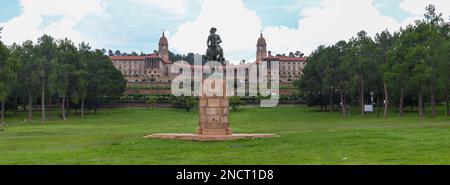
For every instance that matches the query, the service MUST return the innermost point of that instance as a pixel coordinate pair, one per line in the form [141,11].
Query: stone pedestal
[214,115]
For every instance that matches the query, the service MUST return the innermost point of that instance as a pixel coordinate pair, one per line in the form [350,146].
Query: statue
[214,51]
[213,103]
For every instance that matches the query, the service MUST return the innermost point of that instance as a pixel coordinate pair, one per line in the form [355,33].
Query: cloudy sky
[136,25]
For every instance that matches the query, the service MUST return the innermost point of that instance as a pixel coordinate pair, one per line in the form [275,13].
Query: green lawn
[306,137]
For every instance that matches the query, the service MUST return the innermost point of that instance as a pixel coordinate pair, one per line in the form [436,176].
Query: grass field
[115,136]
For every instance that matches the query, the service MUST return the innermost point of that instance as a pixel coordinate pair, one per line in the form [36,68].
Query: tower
[163,50]
[261,49]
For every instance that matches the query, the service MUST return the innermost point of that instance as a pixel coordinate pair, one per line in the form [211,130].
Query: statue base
[213,118]
[198,137]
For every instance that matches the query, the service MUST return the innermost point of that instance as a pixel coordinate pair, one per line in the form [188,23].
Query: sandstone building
[156,66]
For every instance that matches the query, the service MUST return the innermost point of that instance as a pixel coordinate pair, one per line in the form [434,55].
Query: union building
[156,67]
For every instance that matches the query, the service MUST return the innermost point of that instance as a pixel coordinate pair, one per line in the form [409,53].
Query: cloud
[332,21]
[176,6]
[140,24]
[417,8]
[238,27]
[29,24]
[336,20]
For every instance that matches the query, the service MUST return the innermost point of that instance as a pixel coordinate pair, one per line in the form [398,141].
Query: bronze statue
[214,51]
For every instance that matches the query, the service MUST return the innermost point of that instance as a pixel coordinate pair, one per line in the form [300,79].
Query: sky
[136,25]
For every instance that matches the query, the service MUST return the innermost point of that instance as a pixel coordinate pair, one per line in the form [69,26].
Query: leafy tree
[26,55]
[235,102]
[81,77]
[8,74]
[110,53]
[103,79]
[343,74]
[384,43]
[117,53]
[64,72]
[363,64]
[46,51]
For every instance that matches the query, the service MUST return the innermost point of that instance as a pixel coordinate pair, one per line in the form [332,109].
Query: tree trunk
[361,95]
[433,103]
[68,106]
[2,119]
[50,107]
[63,106]
[330,101]
[43,102]
[15,105]
[343,110]
[386,101]
[82,108]
[30,107]
[447,105]
[421,112]
[400,107]
[378,106]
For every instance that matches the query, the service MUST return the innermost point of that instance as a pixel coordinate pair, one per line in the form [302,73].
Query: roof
[138,58]
[286,59]
[242,66]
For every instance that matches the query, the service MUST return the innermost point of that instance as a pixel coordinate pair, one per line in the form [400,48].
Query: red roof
[286,58]
[151,56]
[186,65]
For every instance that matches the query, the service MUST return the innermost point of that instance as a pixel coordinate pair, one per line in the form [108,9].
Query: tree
[438,34]
[364,64]
[64,71]
[441,57]
[26,55]
[343,74]
[8,68]
[46,52]
[103,79]
[235,102]
[81,82]
[117,53]
[398,68]
[384,43]
[311,83]
[110,53]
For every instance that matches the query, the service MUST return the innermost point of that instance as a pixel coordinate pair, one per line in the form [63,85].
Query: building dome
[261,41]
[163,40]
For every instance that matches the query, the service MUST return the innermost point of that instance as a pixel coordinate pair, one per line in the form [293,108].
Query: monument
[213,104]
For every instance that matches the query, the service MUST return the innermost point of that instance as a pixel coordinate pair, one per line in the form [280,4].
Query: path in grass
[307,137]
